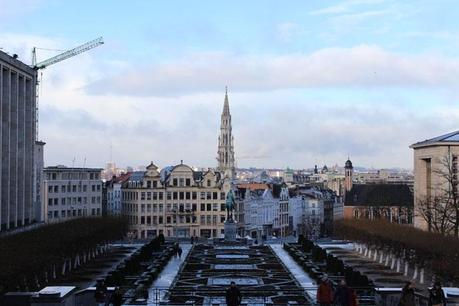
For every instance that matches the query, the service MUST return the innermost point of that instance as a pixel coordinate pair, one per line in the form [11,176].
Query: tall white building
[114,194]
[225,153]
[70,193]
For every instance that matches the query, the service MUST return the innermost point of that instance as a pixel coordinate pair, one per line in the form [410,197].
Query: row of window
[72,176]
[175,207]
[73,188]
[204,220]
[73,201]
[132,195]
[72,213]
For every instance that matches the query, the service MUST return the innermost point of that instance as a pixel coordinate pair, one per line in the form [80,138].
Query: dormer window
[209,183]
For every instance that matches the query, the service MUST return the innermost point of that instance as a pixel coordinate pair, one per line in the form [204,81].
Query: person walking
[101,293]
[437,295]
[325,292]
[407,296]
[233,295]
[179,252]
[117,297]
[342,294]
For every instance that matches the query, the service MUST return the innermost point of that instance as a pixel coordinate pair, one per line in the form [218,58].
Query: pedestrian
[117,297]
[192,239]
[342,294]
[233,295]
[407,296]
[179,252]
[353,300]
[101,293]
[325,292]
[437,296]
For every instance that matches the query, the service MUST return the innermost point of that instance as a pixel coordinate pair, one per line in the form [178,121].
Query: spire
[226,110]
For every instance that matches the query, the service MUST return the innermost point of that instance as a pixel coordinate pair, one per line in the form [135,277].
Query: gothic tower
[225,143]
[348,172]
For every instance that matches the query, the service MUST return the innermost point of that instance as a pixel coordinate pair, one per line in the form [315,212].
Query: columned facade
[17,141]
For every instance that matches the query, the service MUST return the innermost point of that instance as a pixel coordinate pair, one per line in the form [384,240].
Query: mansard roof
[379,195]
[447,139]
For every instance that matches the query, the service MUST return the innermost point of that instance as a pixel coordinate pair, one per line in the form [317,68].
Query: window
[169,195]
[222,196]
[160,195]
[149,196]
[209,207]
[56,201]
[142,220]
[182,195]
[175,195]
[160,208]
[222,218]
[56,214]
[148,184]
[148,219]
[188,182]
[63,188]
[56,189]
[174,182]
[203,219]
[209,183]
[98,187]
[215,207]
[50,189]
[181,182]
[93,188]
[155,184]
[215,195]
[85,188]
[142,196]
[187,195]
[203,195]
[222,207]
[203,207]
[194,195]
[63,201]
[50,202]
[168,219]
[194,207]
[209,196]
[160,219]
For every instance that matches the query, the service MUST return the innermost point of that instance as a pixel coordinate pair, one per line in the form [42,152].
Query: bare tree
[440,208]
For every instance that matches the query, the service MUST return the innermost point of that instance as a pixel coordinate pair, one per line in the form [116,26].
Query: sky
[309,82]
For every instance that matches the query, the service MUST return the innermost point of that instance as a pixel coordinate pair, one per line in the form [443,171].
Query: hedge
[27,256]
[431,250]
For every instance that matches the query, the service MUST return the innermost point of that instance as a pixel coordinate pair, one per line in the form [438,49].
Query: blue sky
[309,81]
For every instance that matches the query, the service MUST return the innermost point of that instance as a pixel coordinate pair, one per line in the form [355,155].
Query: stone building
[392,202]
[70,193]
[17,100]
[225,154]
[176,201]
[435,173]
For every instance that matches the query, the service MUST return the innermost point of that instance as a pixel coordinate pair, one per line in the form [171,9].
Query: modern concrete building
[17,138]
[435,178]
[71,193]
[176,201]
[39,165]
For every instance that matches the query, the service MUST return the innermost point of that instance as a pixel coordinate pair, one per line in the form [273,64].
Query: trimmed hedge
[26,257]
[435,251]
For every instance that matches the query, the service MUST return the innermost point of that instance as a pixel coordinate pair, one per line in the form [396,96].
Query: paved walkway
[160,286]
[297,271]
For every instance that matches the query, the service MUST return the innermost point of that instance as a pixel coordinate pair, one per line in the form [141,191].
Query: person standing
[117,297]
[233,295]
[342,294]
[101,293]
[437,296]
[407,296]
[325,292]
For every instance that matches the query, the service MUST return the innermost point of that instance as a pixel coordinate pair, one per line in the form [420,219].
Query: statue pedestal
[230,230]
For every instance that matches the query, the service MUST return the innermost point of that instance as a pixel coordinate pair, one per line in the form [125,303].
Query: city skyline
[301,89]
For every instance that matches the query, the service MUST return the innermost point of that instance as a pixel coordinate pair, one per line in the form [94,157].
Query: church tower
[225,156]
[348,173]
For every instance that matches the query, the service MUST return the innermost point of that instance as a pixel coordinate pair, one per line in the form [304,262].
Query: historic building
[225,153]
[70,193]
[176,201]
[435,181]
[17,141]
[113,190]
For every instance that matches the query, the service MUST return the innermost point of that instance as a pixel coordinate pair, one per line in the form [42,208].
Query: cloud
[359,66]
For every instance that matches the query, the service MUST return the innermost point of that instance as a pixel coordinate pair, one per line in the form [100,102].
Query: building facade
[70,193]
[176,201]
[39,165]
[435,182]
[113,190]
[17,137]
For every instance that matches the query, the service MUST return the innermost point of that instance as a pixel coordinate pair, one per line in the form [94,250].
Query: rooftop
[447,139]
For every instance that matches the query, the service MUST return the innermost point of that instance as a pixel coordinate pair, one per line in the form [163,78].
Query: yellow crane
[56,59]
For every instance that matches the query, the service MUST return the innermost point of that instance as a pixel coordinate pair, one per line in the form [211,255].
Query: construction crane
[56,59]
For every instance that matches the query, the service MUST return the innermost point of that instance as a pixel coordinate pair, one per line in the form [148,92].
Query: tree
[440,207]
